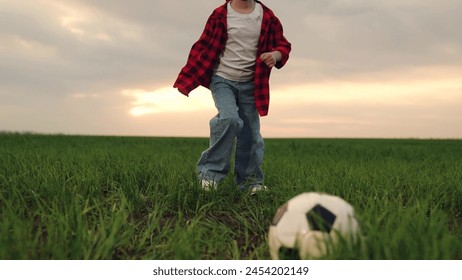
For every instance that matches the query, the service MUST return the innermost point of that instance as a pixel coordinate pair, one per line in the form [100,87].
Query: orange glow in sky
[385,69]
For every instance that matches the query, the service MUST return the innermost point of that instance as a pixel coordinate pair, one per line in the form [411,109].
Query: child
[240,44]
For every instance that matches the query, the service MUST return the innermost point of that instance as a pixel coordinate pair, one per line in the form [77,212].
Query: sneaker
[208,185]
[257,188]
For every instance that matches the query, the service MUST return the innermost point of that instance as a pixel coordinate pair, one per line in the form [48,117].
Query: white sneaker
[208,185]
[258,188]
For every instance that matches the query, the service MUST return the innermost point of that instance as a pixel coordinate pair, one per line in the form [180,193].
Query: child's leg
[214,162]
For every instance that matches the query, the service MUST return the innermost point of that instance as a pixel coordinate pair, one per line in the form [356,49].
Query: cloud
[90,45]
[340,38]
[424,103]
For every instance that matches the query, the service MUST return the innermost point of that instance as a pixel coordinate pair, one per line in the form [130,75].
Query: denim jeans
[237,124]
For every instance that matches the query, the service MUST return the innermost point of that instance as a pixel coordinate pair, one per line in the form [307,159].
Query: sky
[358,68]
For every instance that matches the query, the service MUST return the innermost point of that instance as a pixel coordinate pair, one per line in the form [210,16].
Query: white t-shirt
[238,59]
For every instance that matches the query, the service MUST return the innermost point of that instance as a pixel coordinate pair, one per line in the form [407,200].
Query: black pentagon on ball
[320,219]
[289,253]
[281,211]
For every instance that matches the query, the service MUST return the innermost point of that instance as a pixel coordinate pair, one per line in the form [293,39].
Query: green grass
[76,197]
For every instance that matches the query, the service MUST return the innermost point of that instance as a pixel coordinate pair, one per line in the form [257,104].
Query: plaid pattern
[205,53]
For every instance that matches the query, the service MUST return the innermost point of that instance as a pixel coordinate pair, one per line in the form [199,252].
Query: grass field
[76,197]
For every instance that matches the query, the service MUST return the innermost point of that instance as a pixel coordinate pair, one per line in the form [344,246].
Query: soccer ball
[309,225]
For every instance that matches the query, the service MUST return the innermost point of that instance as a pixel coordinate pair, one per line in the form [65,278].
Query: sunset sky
[358,68]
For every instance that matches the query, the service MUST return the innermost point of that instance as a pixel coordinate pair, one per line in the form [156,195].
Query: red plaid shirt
[205,54]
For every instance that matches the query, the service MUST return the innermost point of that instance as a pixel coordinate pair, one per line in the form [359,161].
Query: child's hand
[270,58]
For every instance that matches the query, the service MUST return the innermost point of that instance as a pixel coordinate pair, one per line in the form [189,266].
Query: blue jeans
[237,123]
